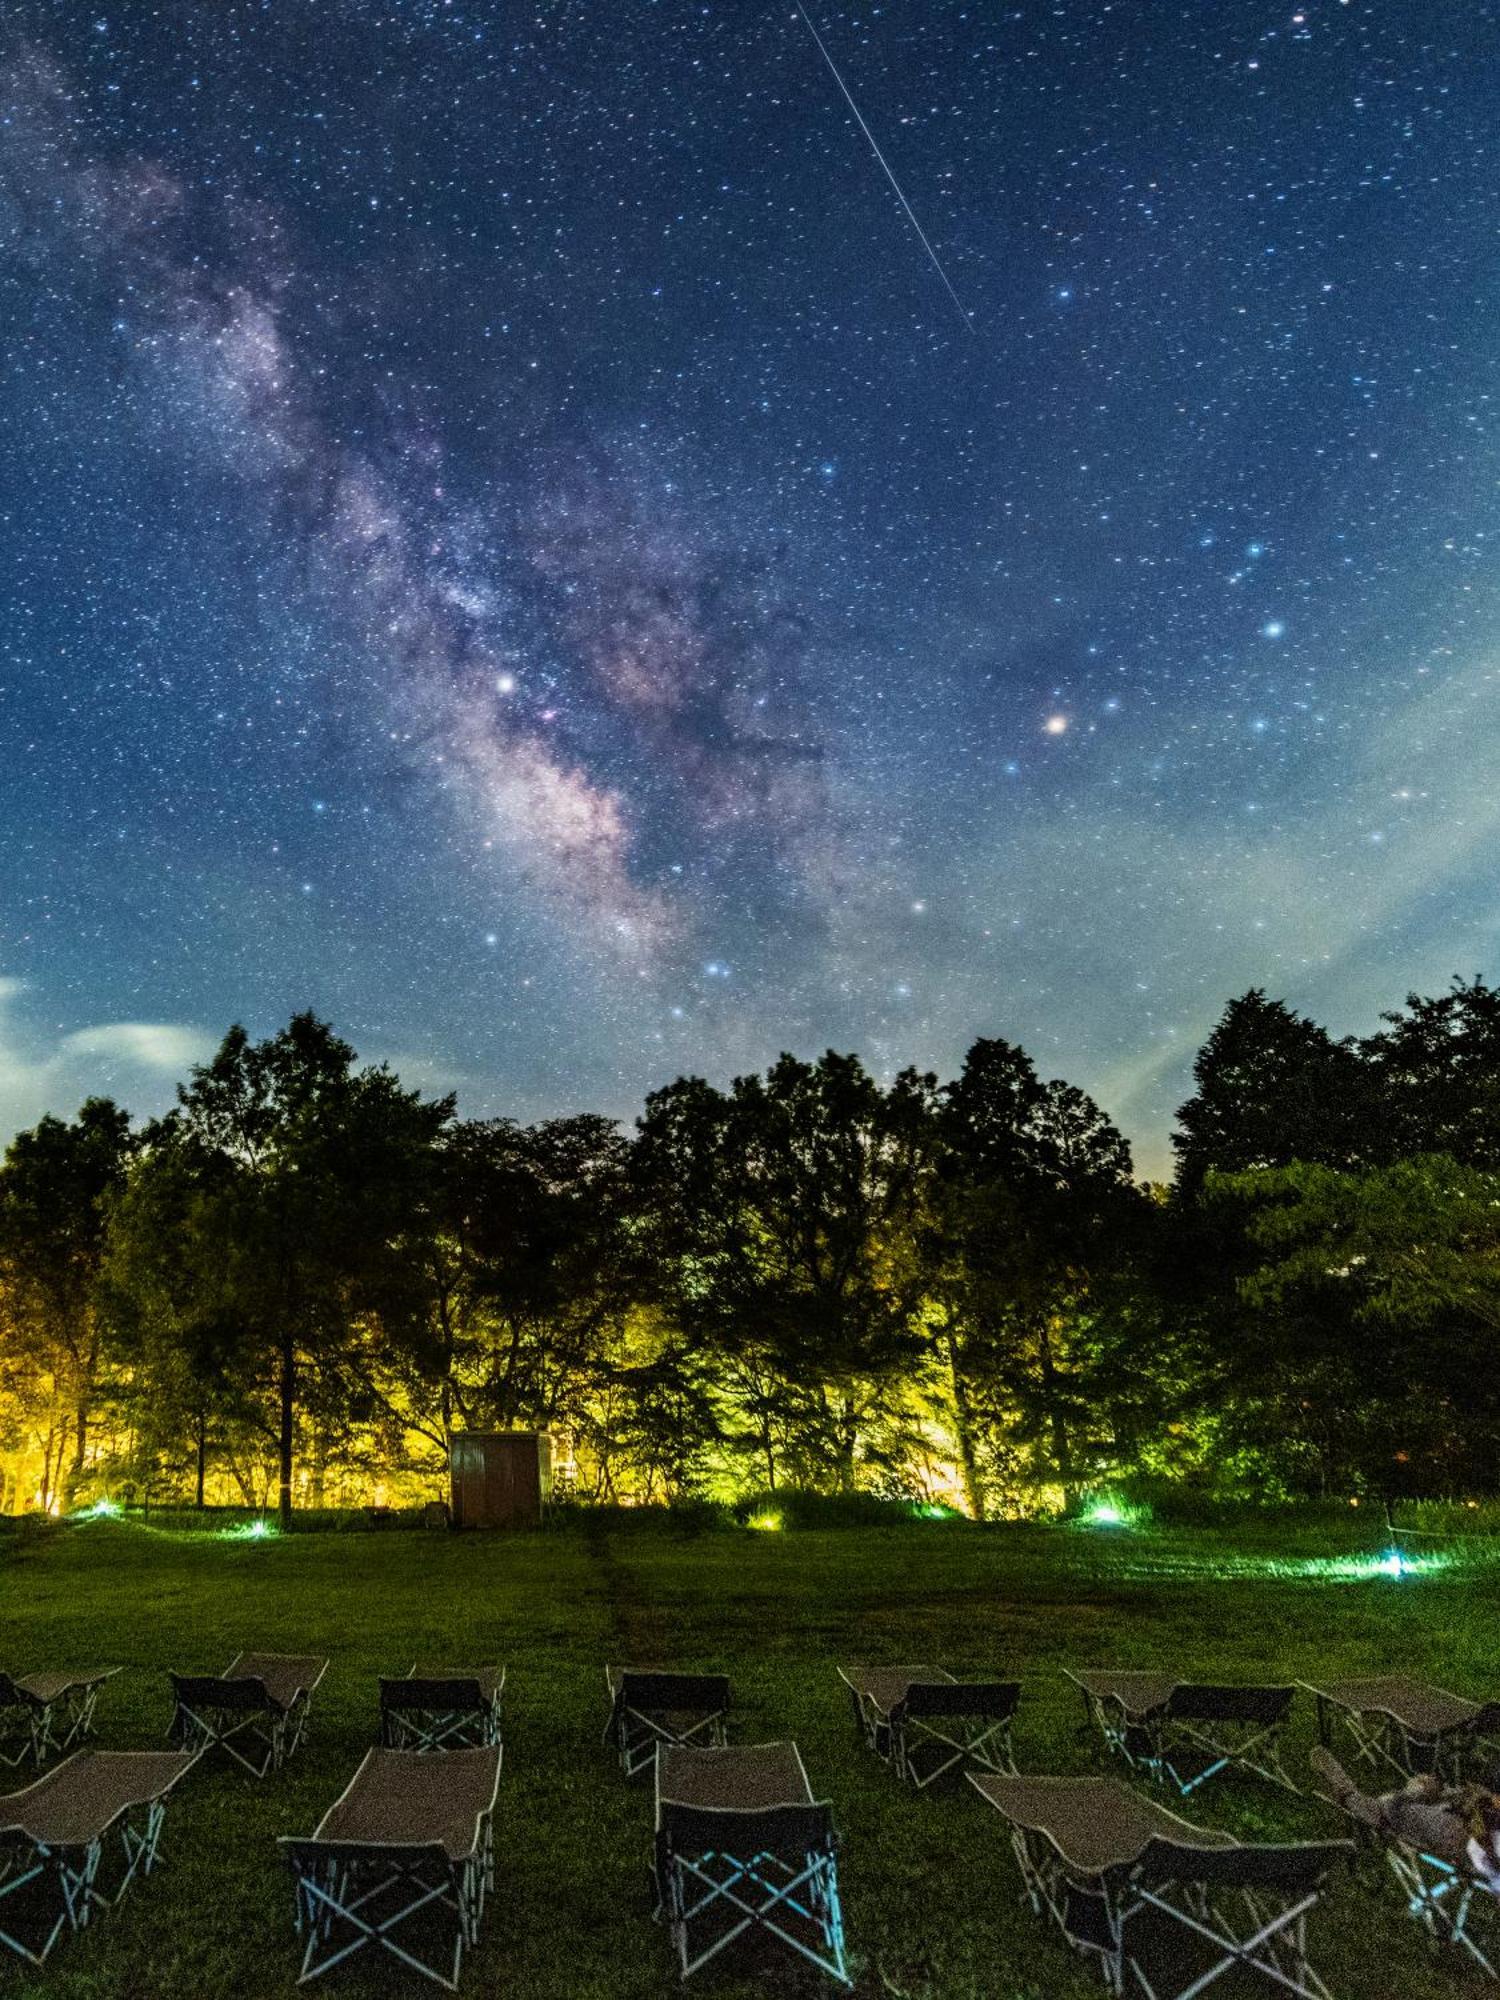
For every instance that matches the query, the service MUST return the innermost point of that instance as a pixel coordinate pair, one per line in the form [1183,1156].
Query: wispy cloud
[137,1062]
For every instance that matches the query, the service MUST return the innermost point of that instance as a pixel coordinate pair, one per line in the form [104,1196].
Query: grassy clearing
[931,1895]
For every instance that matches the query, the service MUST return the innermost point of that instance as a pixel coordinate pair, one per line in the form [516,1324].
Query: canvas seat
[1397,1723]
[442,1708]
[403,1859]
[256,1710]
[57,1861]
[1426,1850]
[650,1706]
[1184,1733]
[924,1723]
[47,1712]
[1164,1908]
[744,1851]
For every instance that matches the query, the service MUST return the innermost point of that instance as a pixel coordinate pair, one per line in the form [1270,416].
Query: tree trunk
[848,1433]
[963,1425]
[70,1483]
[202,1443]
[1057,1423]
[288,1392]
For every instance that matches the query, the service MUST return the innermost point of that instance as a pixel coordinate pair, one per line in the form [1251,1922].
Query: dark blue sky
[507,541]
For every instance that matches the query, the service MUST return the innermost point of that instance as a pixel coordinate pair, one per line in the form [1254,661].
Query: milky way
[506,540]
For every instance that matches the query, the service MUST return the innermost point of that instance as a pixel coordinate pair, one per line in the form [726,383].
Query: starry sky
[507,539]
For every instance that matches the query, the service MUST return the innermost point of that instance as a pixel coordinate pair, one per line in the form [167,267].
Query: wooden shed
[501,1479]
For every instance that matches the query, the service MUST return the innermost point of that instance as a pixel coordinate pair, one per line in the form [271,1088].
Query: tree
[186,1361]
[1033,1206]
[1437,1069]
[779,1228]
[1378,1294]
[1272,1087]
[309,1215]
[55,1185]
[528,1270]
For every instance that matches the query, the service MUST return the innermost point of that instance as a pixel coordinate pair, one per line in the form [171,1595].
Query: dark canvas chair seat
[256,1710]
[1186,1732]
[651,1706]
[47,1712]
[57,1861]
[743,1850]
[442,1708]
[403,1859]
[1396,1723]
[924,1723]
[1163,1907]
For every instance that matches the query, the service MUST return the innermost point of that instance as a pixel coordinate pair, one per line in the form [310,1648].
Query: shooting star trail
[885,165]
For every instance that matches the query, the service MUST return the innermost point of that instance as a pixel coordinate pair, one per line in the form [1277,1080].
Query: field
[931,1894]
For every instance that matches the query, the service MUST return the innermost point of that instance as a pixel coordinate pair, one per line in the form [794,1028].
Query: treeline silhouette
[294,1287]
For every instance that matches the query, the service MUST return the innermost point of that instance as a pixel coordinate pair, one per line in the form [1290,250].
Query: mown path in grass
[931,1894]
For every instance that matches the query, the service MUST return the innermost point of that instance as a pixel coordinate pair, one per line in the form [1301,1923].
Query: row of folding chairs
[256,1710]
[404,1859]
[741,1845]
[73,1841]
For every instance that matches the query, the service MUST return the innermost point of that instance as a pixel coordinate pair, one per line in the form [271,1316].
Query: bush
[798,1507]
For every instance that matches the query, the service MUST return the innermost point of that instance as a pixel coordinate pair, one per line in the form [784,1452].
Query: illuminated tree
[55,1185]
[779,1225]
[309,1216]
[1032,1211]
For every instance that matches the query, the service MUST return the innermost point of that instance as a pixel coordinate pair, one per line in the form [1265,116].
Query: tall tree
[529,1269]
[1437,1067]
[311,1212]
[55,1186]
[1375,1305]
[1272,1087]
[780,1220]
[1033,1208]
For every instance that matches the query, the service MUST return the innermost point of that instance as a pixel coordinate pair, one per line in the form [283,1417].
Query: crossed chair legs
[74,1873]
[702,1887]
[337,1907]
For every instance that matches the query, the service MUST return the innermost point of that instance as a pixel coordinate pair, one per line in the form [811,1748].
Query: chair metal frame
[1380,1738]
[74,1867]
[1214,1722]
[645,1700]
[44,1726]
[981,1713]
[437,1712]
[212,1711]
[760,1867]
[1178,1881]
[338,1882]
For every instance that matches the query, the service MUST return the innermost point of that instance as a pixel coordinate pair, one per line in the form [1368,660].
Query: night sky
[507,540]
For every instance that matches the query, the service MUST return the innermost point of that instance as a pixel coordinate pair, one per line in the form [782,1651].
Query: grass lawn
[931,1895]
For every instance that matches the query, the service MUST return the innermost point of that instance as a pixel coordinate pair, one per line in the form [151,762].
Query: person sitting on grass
[1459,1824]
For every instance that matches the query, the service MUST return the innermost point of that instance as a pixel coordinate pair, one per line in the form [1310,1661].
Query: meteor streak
[885,165]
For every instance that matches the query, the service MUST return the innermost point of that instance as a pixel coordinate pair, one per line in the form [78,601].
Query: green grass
[930,1890]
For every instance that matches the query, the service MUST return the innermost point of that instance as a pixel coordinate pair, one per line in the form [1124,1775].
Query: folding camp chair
[1163,1907]
[1427,1853]
[442,1708]
[55,1868]
[260,1701]
[1185,1732]
[743,1849]
[403,1859]
[649,1707]
[1407,1725]
[40,1713]
[923,1722]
